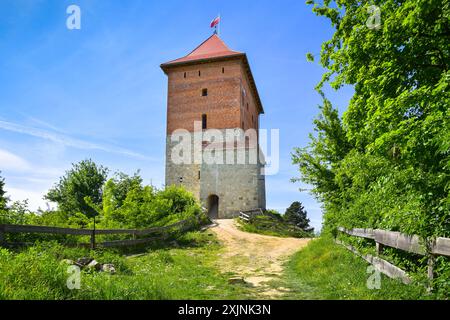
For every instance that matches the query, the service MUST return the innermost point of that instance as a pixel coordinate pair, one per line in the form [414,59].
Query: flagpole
[218,26]
[216,23]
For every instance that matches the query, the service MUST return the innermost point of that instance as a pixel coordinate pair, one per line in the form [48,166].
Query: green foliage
[325,151]
[273,224]
[329,271]
[38,272]
[274,213]
[116,190]
[85,179]
[296,215]
[33,274]
[385,164]
[187,272]
[3,198]
[16,213]
[146,206]
[122,202]
[53,218]
[178,197]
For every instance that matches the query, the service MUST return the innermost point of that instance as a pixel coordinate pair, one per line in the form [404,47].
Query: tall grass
[332,272]
[183,269]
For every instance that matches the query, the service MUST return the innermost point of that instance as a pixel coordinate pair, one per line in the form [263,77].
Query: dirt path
[256,258]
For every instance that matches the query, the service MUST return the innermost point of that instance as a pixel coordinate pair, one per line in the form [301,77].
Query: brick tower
[212,90]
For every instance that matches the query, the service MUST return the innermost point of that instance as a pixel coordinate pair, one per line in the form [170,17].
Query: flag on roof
[215,22]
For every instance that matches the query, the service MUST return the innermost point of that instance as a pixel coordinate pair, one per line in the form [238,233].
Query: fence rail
[248,214]
[381,265]
[441,246]
[184,225]
[409,243]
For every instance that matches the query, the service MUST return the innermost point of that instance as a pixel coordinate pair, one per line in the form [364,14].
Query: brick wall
[225,105]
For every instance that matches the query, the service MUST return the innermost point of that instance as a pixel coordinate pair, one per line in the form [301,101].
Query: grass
[189,272]
[188,268]
[272,226]
[324,270]
[185,269]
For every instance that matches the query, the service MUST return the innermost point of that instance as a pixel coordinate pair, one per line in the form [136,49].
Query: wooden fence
[162,231]
[247,215]
[413,244]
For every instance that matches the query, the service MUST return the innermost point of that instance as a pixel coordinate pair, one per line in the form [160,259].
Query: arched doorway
[213,206]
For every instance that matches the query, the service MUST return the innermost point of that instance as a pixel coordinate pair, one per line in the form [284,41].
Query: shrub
[146,206]
[273,225]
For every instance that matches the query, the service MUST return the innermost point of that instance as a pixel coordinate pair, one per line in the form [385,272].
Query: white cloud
[45,124]
[35,198]
[25,180]
[10,161]
[66,140]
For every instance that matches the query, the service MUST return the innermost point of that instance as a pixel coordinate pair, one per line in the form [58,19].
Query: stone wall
[239,186]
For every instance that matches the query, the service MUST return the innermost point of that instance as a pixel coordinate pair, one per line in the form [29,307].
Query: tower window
[204,121]
[223,70]
[199,175]
[204,92]
[185,75]
[247,105]
[199,73]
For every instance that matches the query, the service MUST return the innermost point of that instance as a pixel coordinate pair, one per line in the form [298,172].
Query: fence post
[93,239]
[431,262]
[379,248]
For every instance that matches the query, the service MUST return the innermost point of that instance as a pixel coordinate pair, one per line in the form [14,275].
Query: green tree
[297,215]
[84,179]
[3,198]
[115,193]
[116,189]
[317,162]
[17,213]
[386,162]
[145,206]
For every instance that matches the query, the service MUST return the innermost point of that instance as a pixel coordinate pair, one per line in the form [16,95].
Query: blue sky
[98,92]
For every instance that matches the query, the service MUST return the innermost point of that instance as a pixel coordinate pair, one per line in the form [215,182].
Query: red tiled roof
[213,47]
